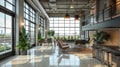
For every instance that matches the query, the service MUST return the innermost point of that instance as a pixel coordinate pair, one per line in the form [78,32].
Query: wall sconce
[22,24]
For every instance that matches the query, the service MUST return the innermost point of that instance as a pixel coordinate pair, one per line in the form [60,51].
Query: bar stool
[108,63]
[102,56]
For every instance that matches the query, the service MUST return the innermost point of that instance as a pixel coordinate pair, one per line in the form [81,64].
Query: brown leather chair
[62,46]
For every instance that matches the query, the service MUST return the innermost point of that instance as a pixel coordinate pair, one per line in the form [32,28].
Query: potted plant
[23,44]
[39,37]
[51,32]
[100,37]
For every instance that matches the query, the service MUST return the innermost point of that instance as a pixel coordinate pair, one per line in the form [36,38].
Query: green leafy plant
[23,45]
[51,32]
[101,37]
[39,36]
[2,48]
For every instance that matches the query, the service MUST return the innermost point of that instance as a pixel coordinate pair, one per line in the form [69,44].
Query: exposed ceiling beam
[41,8]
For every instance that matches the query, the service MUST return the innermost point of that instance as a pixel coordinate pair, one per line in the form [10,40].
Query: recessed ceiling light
[71,6]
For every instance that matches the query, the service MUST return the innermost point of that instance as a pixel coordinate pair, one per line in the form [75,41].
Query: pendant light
[66,15]
[76,15]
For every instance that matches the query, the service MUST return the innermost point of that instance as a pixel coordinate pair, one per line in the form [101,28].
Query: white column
[19,18]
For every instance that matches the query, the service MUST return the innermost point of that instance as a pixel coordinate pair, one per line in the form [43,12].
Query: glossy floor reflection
[48,56]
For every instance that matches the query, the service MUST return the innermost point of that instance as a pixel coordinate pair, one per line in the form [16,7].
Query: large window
[65,28]
[5,33]
[41,20]
[29,20]
[7,13]
[9,4]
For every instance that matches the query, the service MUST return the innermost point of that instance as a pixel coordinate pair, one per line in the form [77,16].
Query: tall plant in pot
[51,32]
[23,44]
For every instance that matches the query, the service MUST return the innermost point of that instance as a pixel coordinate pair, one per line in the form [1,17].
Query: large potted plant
[23,44]
[39,37]
[100,37]
[51,32]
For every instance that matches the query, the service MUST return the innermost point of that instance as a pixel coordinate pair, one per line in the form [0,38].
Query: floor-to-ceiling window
[30,23]
[7,13]
[65,28]
[5,33]
[41,20]
[9,4]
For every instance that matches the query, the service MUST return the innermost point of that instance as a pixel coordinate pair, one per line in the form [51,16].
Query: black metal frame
[12,14]
[29,20]
[64,25]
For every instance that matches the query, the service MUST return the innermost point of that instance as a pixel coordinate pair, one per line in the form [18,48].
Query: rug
[79,51]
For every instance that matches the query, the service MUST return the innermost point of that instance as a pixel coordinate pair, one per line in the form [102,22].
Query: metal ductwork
[40,8]
[52,4]
[34,6]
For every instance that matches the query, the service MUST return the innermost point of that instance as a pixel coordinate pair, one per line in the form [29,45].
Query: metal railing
[107,13]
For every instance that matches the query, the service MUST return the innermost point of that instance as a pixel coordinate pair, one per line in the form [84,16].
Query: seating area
[59,33]
[63,46]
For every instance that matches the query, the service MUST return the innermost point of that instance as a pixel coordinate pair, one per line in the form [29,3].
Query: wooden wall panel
[114,37]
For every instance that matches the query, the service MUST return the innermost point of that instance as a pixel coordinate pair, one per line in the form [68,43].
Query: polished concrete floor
[48,56]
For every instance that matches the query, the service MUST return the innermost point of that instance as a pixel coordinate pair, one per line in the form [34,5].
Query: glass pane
[61,18]
[8,33]
[51,29]
[26,10]
[67,25]
[2,2]
[31,18]
[77,21]
[2,32]
[8,21]
[9,6]
[31,14]
[11,1]
[72,25]
[77,25]
[51,22]
[67,21]
[61,25]
[67,29]
[8,44]
[62,29]
[2,20]
[72,28]
[61,22]
[51,25]
[72,22]
[56,18]
[51,19]
[72,18]
[27,27]
[55,25]
[56,29]
[55,21]
[27,16]
[2,47]
[77,29]
[26,6]
[27,22]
